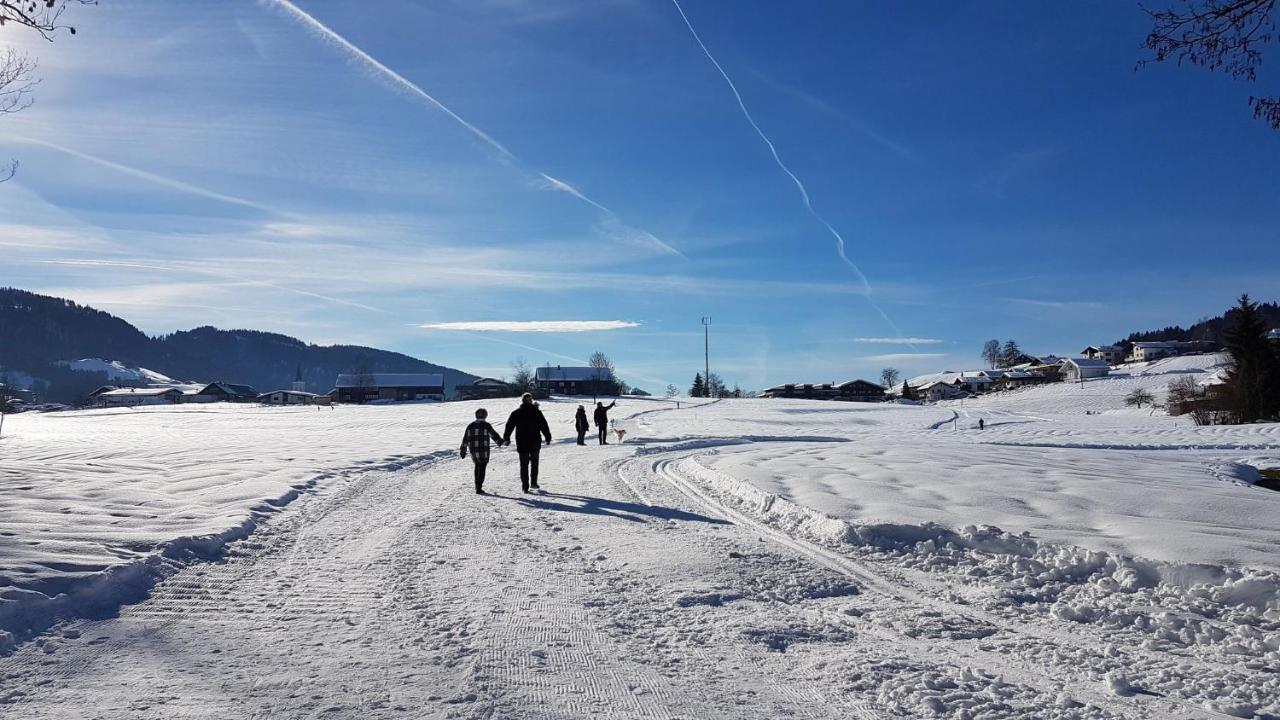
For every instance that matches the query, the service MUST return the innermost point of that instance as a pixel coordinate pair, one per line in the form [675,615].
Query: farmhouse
[1080,369]
[574,380]
[940,390]
[860,391]
[365,387]
[128,397]
[1148,351]
[1021,378]
[223,391]
[1113,354]
[1274,334]
[291,397]
[806,391]
[486,388]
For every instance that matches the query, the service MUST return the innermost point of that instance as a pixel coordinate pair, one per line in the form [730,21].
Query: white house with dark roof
[562,380]
[1113,354]
[1079,369]
[129,397]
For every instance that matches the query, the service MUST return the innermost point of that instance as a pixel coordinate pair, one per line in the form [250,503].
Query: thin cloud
[1059,304]
[903,357]
[898,341]
[150,176]
[534,326]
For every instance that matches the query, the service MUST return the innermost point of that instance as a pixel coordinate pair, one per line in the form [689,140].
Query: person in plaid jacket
[476,441]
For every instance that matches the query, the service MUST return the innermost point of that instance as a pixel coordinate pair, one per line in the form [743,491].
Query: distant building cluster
[1095,361]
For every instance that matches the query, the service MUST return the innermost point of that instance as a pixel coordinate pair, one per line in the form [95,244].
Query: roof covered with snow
[1088,362]
[138,392]
[572,374]
[389,380]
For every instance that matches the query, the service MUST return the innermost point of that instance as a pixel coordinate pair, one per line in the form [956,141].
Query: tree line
[1250,392]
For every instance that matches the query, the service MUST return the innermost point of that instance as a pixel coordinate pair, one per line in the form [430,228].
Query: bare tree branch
[16,81]
[1222,35]
[40,15]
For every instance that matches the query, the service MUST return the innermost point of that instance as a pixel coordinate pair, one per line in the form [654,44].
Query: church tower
[298,383]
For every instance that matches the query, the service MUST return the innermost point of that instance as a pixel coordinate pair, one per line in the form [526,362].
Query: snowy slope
[118,371]
[1101,394]
[657,578]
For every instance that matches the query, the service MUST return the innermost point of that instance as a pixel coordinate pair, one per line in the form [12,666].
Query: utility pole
[706,355]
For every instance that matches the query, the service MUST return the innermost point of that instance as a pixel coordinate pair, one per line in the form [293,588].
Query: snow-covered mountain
[117,371]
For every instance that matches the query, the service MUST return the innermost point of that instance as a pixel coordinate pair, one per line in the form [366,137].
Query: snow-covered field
[744,558]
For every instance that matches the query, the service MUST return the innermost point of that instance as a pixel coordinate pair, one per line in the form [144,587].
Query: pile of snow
[1235,612]
[119,372]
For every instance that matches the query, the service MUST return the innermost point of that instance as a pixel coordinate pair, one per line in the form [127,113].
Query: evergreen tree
[907,392]
[699,388]
[1253,385]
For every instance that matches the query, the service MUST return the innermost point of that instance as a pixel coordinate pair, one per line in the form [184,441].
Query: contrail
[151,177]
[325,33]
[413,90]
[804,194]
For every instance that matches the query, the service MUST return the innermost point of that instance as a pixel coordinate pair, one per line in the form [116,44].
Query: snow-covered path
[634,588]
[402,594]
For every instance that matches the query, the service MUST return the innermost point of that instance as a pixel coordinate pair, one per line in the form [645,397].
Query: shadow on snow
[631,511]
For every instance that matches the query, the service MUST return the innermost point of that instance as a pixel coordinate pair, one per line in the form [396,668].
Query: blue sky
[996,170]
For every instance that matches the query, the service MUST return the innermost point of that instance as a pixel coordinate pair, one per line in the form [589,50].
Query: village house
[860,391]
[222,392]
[366,387]
[1081,369]
[129,397]
[485,389]
[1149,351]
[1015,379]
[940,390]
[560,380]
[803,391]
[1274,334]
[1113,354]
[292,397]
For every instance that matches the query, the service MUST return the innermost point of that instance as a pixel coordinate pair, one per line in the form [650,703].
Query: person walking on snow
[581,425]
[530,427]
[476,441]
[602,419]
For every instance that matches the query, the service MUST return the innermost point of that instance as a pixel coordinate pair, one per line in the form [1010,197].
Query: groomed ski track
[628,590]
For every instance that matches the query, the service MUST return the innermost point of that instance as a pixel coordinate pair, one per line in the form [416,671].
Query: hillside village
[1017,371]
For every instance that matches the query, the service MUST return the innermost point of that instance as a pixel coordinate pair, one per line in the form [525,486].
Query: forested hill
[1209,329]
[38,331]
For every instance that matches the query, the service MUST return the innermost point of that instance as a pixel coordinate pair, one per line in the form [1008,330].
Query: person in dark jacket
[581,425]
[530,427]
[602,419]
[476,441]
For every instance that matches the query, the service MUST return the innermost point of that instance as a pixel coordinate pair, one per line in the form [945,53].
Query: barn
[574,380]
[367,387]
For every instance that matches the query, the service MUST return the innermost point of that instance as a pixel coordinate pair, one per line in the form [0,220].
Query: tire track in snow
[899,591]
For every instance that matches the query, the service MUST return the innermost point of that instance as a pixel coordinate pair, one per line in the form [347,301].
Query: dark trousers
[603,430]
[528,468]
[582,436]
[480,468]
